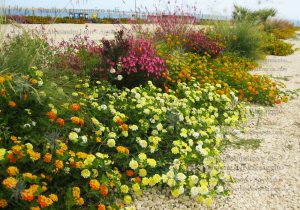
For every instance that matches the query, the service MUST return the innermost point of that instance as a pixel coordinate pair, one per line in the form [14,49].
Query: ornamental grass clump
[242,38]
[19,53]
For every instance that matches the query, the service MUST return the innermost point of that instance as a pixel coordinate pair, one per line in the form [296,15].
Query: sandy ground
[267,178]
[60,32]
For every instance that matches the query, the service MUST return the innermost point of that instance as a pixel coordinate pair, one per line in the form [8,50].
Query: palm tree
[240,13]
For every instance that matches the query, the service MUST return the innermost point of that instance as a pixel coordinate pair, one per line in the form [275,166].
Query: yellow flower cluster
[76,195]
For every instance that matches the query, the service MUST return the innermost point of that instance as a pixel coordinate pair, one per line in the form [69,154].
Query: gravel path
[267,177]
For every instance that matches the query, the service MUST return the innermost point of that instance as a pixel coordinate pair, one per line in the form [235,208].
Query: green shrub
[281,29]
[241,38]
[22,53]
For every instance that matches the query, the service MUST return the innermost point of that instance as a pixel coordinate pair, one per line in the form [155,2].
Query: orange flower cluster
[103,190]
[123,125]
[62,149]
[12,171]
[52,116]
[28,194]
[101,207]
[75,107]
[77,120]
[3,203]
[130,173]
[44,201]
[34,156]
[59,164]
[94,184]
[61,122]
[123,150]
[12,104]
[47,158]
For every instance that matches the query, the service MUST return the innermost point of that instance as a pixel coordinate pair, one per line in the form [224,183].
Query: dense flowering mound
[142,57]
[199,42]
[134,60]
[275,46]
[106,144]
[228,71]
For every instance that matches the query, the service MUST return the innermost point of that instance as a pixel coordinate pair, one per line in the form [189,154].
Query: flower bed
[108,144]
[228,71]
[94,124]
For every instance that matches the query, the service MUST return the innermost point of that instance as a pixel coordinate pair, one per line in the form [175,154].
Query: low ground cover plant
[281,29]
[106,144]
[230,72]
[275,46]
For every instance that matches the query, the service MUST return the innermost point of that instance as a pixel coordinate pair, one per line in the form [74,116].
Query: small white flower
[181,176]
[40,83]
[195,191]
[111,143]
[159,127]
[134,127]
[26,125]
[203,152]
[103,106]
[84,139]
[220,189]
[196,135]
[143,143]
[133,164]
[181,118]
[73,136]
[77,130]
[181,190]
[112,70]
[119,77]
[194,179]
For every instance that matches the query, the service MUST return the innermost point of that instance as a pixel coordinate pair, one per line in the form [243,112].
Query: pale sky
[289,9]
